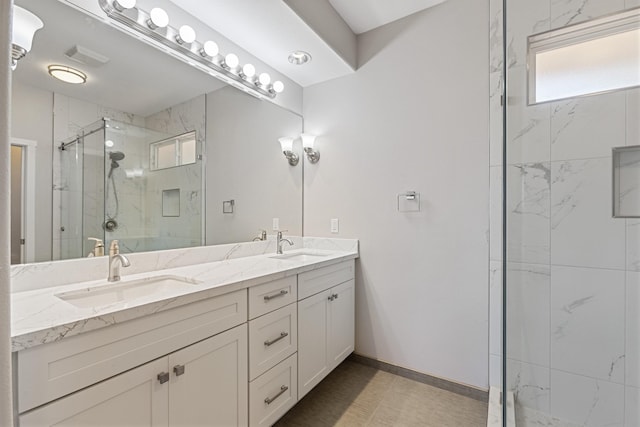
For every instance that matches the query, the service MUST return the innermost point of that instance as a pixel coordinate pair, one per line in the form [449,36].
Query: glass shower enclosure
[113,184]
[570,170]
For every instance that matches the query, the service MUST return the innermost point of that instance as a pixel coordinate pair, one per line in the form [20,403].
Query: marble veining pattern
[38,316]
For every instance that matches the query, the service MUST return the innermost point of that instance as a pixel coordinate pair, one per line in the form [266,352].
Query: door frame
[28,197]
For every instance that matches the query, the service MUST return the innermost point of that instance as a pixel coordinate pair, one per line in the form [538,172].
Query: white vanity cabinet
[197,374]
[326,322]
[202,384]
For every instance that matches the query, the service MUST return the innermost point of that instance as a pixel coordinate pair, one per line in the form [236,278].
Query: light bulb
[264,79]
[231,61]
[286,143]
[158,18]
[186,34]
[278,86]
[121,5]
[249,70]
[108,143]
[209,49]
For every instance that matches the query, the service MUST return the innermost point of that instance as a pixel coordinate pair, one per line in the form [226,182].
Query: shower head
[116,155]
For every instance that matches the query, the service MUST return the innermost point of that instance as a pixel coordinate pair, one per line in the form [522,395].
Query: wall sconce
[25,25]
[287,148]
[308,141]
[154,25]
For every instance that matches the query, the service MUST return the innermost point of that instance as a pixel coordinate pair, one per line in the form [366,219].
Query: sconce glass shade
[286,143]
[186,34]
[210,49]
[308,142]
[158,18]
[25,25]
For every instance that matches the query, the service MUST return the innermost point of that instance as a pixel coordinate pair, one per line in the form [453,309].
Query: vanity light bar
[138,20]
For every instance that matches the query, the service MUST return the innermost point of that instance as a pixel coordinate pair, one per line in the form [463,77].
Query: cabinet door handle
[269,400]
[279,294]
[178,370]
[275,340]
[335,296]
[330,298]
[163,377]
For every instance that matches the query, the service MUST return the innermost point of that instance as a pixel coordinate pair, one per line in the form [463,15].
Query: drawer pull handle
[279,294]
[163,377]
[269,401]
[273,341]
[178,370]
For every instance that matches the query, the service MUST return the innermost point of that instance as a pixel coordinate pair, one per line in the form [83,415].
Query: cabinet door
[209,382]
[134,398]
[313,364]
[341,320]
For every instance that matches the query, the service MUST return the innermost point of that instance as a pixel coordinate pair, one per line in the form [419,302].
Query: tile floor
[358,395]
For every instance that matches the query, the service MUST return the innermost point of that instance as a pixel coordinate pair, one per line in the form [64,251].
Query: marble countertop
[40,317]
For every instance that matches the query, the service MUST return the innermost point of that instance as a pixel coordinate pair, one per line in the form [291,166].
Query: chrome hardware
[98,249]
[269,401]
[163,377]
[115,259]
[279,294]
[273,341]
[279,240]
[262,236]
[178,370]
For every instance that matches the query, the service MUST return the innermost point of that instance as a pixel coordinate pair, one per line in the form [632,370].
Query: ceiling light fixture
[205,56]
[67,74]
[25,25]
[299,57]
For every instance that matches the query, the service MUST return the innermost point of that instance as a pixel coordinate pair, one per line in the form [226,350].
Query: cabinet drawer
[312,282]
[271,296]
[272,338]
[49,371]
[274,393]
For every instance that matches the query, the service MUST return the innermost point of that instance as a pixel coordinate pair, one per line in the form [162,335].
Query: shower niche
[626,182]
[109,186]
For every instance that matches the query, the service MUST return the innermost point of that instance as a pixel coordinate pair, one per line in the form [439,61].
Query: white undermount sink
[301,256]
[111,293]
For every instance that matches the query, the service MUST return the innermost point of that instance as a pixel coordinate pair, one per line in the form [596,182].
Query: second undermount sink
[301,256]
[123,291]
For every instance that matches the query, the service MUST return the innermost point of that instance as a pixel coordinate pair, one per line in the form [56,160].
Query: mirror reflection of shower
[107,190]
[111,221]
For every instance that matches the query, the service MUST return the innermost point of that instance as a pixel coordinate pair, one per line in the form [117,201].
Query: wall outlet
[276,224]
[335,225]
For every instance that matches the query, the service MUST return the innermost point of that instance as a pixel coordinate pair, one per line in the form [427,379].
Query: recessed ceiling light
[299,57]
[67,74]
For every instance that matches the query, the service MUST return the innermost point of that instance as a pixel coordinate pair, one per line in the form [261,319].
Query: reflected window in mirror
[175,151]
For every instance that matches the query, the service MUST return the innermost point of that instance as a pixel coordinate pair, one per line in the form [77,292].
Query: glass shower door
[572,269]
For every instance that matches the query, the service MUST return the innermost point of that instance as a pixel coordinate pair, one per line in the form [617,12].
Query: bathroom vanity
[231,342]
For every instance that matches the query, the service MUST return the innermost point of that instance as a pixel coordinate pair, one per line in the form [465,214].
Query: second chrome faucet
[279,240]
[115,260]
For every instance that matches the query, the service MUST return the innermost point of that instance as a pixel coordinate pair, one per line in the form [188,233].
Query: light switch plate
[335,225]
[276,224]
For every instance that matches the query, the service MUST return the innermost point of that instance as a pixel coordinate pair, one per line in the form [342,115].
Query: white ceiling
[365,15]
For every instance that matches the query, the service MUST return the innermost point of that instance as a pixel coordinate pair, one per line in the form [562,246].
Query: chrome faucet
[280,239]
[115,259]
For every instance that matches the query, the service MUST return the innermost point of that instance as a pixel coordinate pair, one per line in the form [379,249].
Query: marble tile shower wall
[573,272]
[187,228]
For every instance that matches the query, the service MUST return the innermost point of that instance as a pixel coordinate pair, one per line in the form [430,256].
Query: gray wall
[413,117]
